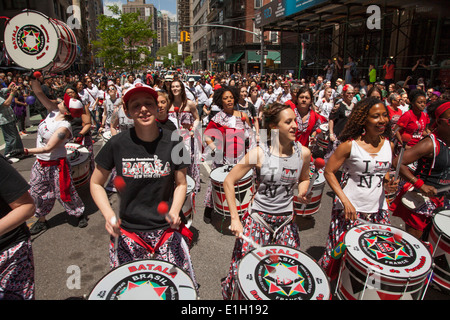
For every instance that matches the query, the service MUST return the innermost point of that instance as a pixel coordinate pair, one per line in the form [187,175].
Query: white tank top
[45,131]
[363,178]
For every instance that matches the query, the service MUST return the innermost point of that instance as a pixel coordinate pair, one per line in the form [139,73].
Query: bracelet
[419,183]
[411,180]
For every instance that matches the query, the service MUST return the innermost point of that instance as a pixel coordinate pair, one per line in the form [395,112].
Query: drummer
[50,175]
[365,153]
[281,164]
[432,173]
[225,137]
[142,155]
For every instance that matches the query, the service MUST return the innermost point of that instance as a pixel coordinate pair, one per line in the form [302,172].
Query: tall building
[147,11]
[199,43]
[184,21]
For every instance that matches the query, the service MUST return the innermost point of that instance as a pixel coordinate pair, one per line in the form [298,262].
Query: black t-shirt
[12,187]
[339,116]
[148,169]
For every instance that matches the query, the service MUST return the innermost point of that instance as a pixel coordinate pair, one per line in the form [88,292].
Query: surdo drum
[78,157]
[323,137]
[145,280]
[439,238]
[188,208]
[244,190]
[316,196]
[377,265]
[278,272]
[37,42]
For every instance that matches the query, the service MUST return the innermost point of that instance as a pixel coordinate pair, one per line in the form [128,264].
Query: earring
[364,132]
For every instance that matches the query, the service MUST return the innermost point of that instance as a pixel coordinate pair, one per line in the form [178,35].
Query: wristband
[25,151]
[419,183]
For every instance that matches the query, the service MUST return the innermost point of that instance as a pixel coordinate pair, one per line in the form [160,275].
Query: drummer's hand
[427,190]
[303,198]
[350,212]
[113,229]
[173,219]
[236,227]
[392,185]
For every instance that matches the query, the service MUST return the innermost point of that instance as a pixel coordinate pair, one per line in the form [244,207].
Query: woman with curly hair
[227,135]
[282,164]
[365,154]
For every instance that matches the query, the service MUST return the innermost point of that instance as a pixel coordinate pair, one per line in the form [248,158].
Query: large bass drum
[378,265]
[145,280]
[37,42]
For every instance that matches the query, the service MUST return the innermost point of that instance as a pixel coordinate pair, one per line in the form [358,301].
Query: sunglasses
[112,88]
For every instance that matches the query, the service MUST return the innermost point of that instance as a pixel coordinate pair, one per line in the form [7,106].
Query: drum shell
[401,279]
[78,157]
[316,197]
[313,279]
[323,138]
[188,208]
[244,190]
[440,241]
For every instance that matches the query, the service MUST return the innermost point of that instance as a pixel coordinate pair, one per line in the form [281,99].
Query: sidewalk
[34,121]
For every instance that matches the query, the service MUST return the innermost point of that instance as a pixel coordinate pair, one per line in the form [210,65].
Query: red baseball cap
[139,87]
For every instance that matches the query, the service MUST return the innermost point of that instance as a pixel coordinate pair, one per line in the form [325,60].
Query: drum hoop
[307,255]
[438,228]
[124,265]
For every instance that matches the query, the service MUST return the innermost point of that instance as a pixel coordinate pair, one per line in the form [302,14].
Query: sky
[165,6]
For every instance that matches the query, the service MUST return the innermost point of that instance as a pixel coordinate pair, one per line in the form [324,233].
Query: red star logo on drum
[142,291]
[386,248]
[284,280]
[30,40]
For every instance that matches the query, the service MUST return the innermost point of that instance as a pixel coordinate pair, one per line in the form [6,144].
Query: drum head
[31,40]
[76,153]
[219,174]
[281,273]
[374,247]
[145,280]
[442,221]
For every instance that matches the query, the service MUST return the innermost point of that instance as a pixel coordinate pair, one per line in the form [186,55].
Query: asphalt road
[69,261]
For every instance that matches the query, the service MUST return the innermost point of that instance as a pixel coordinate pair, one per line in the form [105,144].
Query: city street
[69,261]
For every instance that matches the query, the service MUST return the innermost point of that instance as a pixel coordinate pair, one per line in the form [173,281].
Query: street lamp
[260,36]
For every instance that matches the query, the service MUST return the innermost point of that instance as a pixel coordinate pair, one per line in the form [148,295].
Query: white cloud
[172,16]
[107,3]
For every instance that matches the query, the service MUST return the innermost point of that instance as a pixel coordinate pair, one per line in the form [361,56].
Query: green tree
[163,53]
[124,40]
[188,61]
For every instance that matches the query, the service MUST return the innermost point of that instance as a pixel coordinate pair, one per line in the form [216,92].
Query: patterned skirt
[17,272]
[288,235]
[174,250]
[44,182]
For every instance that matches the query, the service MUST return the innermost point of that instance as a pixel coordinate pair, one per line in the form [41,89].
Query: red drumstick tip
[243,119]
[37,74]
[406,137]
[398,236]
[176,109]
[318,131]
[119,183]
[163,208]
[319,163]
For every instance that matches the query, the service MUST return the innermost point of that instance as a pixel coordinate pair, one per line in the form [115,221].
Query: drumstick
[405,138]
[319,163]
[163,209]
[273,257]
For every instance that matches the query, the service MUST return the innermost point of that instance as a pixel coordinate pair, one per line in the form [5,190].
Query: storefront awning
[252,57]
[234,58]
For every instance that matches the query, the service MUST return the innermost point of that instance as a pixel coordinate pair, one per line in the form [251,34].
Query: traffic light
[185,36]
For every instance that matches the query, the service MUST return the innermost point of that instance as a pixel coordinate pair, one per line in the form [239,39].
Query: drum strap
[165,236]
[64,176]
[255,216]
